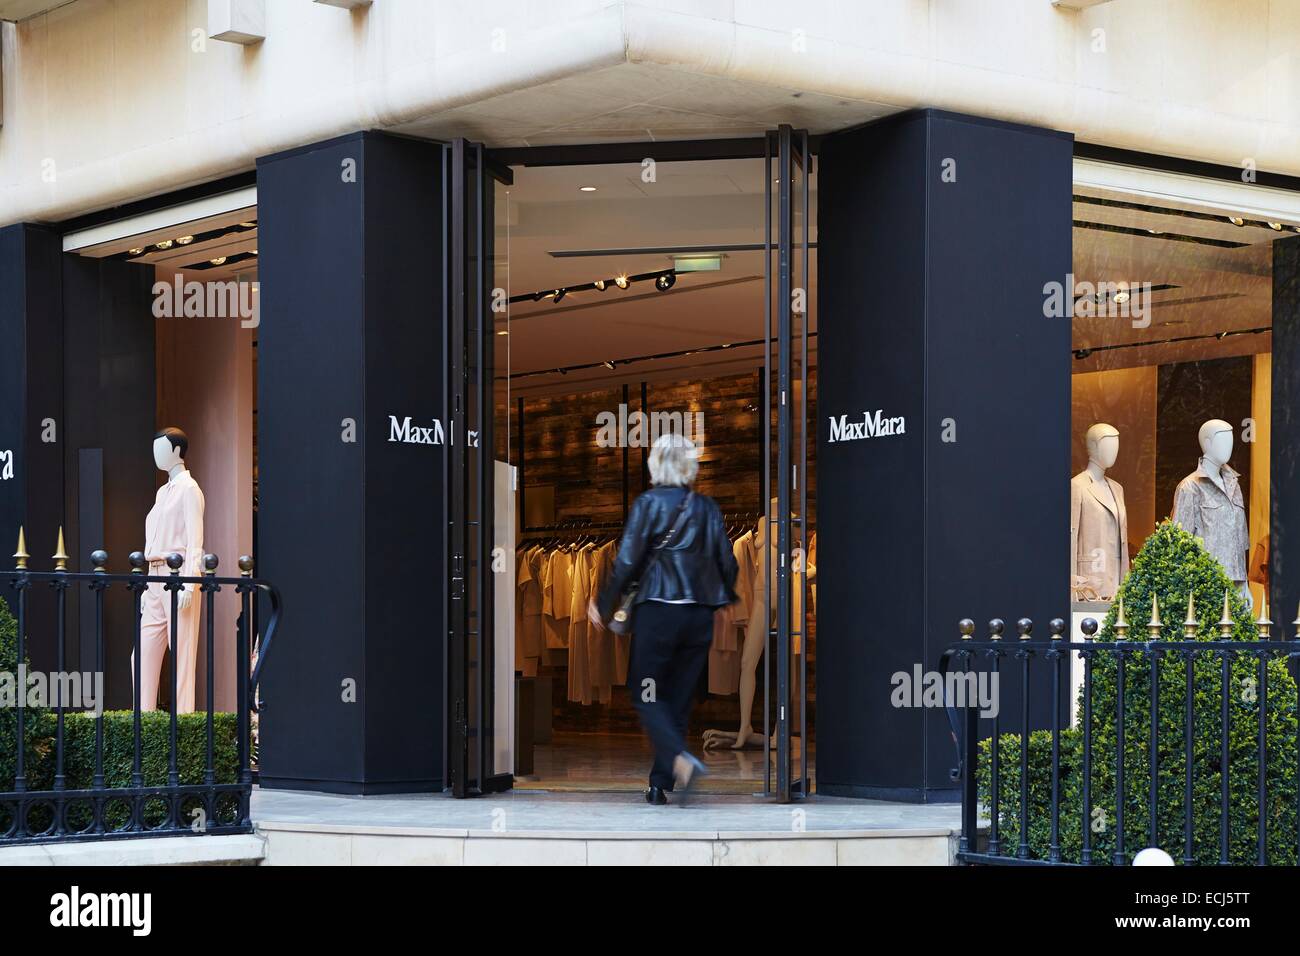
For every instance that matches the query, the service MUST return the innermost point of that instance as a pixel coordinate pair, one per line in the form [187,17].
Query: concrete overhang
[17,10]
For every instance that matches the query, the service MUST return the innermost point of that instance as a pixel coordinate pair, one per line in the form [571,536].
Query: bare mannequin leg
[750,654]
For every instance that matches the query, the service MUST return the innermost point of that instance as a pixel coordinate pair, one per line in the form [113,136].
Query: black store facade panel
[351,531]
[936,236]
[77,415]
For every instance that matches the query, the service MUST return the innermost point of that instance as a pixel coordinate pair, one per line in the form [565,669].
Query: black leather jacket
[697,565]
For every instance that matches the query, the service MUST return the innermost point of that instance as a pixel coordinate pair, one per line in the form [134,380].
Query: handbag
[621,621]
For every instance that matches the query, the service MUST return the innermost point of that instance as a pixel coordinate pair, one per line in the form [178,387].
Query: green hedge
[1172,563]
[119,751]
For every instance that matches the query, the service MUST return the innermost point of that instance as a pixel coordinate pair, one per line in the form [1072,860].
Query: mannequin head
[169,448]
[1103,444]
[1216,441]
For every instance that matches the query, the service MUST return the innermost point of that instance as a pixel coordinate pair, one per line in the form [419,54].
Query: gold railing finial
[1264,624]
[21,555]
[60,554]
[1154,626]
[1121,625]
[1225,622]
[1190,626]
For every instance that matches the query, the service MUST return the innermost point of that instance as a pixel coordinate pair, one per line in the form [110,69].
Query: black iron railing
[1215,780]
[80,773]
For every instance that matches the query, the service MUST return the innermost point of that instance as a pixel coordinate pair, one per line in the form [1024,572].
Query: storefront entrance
[604,302]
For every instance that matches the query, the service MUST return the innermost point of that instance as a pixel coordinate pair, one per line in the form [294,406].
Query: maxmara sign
[873,425]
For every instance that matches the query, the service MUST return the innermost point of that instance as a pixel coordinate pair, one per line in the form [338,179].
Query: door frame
[469,688]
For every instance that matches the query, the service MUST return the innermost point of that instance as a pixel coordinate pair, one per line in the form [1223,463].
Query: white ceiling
[1219,289]
[702,205]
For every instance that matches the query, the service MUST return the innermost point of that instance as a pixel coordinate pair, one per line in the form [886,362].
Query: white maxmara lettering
[873,425]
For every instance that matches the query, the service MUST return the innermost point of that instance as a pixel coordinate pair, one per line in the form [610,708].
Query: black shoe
[698,773]
[655,796]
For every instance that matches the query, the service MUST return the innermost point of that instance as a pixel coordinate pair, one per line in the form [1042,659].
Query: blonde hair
[674,460]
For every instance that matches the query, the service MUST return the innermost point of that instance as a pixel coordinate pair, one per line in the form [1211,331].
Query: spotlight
[559,294]
[1236,220]
[586,189]
[609,365]
[600,285]
[218,261]
[1121,297]
[503,332]
[621,280]
[1221,336]
[135,252]
[165,244]
[184,240]
[1275,226]
[666,281]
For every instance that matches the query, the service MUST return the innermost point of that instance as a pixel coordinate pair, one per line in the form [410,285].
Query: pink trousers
[155,640]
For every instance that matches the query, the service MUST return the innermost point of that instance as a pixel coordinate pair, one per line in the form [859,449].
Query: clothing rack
[576,527]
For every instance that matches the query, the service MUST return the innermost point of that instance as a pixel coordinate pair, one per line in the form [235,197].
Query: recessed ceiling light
[218,261]
[1275,226]
[600,285]
[621,281]
[184,240]
[503,332]
[135,252]
[1121,297]
[248,225]
[587,189]
[165,244]
[1236,220]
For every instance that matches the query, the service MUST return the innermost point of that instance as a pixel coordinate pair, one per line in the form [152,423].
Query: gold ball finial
[60,554]
[21,555]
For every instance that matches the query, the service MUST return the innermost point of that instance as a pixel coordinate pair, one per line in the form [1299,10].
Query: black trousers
[669,650]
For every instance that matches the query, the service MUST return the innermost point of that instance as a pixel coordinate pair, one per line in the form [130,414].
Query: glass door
[476,764]
[785,479]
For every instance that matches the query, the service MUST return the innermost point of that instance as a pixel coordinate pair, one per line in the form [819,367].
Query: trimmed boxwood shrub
[119,750]
[1171,563]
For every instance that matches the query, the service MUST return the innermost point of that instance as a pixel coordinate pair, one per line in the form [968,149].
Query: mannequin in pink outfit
[175,524]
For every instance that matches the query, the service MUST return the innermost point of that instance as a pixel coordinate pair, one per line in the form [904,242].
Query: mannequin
[1209,504]
[1098,520]
[756,633]
[175,523]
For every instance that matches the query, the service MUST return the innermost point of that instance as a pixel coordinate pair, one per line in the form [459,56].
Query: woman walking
[674,568]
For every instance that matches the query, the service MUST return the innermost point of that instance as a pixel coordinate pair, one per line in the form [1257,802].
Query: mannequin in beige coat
[1098,521]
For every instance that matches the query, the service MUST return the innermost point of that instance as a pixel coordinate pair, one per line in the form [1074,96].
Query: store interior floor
[595,762]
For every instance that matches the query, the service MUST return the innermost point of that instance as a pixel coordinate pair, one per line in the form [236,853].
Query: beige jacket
[1098,534]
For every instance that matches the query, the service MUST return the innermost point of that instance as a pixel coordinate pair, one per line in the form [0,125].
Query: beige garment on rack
[729,623]
[528,616]
[798,621]
[600,643]
[556,595]
[579,676]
